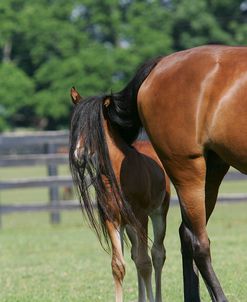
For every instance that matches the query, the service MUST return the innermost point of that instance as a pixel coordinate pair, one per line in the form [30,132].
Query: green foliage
[96,46]
[16,94]
[9,17]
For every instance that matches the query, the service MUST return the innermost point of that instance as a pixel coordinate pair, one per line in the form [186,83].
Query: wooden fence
[50,143]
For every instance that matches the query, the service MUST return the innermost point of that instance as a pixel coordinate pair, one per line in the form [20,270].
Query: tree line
[47,46]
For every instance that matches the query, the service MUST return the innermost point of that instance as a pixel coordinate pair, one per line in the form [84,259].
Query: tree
[198,22]
[51,45]
[112,48]
[16,96]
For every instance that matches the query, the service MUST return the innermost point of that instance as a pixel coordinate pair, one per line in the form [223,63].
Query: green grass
[239,186]
[40,262]
[45,263]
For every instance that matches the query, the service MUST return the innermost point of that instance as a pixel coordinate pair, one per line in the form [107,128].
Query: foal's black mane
[87,123]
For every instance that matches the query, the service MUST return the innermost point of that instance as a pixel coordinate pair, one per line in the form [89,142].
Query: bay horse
[130,185]
[193,106]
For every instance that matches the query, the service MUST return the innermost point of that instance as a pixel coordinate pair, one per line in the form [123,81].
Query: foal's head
[91,165]
[90,162]
[87,119]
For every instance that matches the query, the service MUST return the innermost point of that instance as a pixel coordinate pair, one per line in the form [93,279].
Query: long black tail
[122,111]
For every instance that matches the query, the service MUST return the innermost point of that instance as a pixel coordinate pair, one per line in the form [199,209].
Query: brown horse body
[193,106]
[146,189]
[204,90]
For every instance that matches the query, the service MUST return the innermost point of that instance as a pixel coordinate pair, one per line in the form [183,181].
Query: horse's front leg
[117,263]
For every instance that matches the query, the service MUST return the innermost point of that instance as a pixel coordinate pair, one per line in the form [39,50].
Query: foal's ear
[75,96]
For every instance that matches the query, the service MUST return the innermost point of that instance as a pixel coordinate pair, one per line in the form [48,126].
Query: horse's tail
[122,111]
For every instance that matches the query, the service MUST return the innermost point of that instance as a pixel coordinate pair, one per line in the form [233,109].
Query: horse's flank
[206,86]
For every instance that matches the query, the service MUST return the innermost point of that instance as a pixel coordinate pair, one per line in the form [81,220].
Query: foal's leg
[118,264]
[143,263]
[134,250]
[189,177]
[158,251]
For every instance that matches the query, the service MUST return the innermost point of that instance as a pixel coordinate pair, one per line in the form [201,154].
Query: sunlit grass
[42,262]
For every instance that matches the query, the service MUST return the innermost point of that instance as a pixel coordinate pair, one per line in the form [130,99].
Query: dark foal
[142,191]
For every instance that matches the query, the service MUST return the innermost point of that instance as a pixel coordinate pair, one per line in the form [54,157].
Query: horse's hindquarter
[196,99]
[188,105]
[143,180]
[227,130]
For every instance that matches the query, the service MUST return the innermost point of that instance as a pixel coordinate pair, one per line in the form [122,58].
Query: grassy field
[45,263]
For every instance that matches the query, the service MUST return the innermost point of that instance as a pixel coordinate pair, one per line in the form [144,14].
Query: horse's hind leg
[215,171]
[190,271]
[189,177]
[118,264]
[142,261]
[158,251]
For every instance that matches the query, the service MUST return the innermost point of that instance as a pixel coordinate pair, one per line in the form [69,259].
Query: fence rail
[33,159]
[74,205]
[52,159]
[49,182]
[38,207]
[36,138]
[49,143]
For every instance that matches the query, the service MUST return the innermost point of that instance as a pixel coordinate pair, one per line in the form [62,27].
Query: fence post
[0,214]
[53,191]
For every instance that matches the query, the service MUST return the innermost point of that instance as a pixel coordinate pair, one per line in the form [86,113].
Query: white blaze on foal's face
[79,149]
